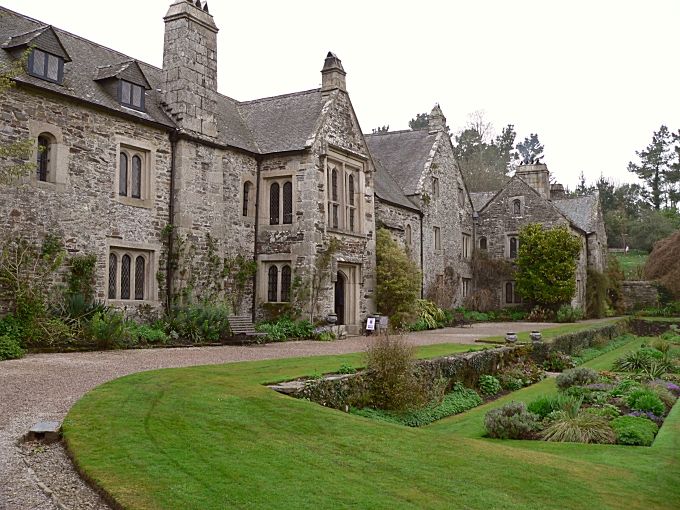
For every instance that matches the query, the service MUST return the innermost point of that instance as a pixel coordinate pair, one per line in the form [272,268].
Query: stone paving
[43,387]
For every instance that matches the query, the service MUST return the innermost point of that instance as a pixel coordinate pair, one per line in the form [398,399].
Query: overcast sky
[593,78]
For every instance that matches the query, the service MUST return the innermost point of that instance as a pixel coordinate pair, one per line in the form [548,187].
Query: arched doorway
[340,286]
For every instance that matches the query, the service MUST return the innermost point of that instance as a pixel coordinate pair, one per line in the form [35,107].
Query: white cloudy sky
[594,78]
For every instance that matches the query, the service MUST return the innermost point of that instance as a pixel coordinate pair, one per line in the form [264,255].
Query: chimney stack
[436,121]
[332,74]
[537,176]
[190,66]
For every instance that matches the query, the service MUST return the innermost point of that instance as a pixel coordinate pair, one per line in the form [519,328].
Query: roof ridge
[280,96]
[398,132]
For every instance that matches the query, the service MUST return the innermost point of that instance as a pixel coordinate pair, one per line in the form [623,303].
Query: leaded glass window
[136,177]
[43,158]
[38,63]
[140,276]
[516,207]
[482,243]
[123,176]
[508,292]
[46,66]
[246,198]
[285,283]
[287,203]
[513,247]
[272,284]
[350,189]
[125,282]
[334,185]
[113,275]
[274,204]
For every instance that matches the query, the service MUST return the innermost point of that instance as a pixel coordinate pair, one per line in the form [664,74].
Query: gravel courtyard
[43,387]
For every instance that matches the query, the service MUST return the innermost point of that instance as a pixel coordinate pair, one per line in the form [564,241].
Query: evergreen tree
[530,150]
[419,122]
[656,168]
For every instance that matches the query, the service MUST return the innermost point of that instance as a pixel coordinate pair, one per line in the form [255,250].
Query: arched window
[274,204]
[123,175]
[482,243]
[287,203]
[272,284]
[350,189]
[43,162]
[334,185]
[508,292]
[516,207]
[513,247]
[113,274]
[408,236]
[285,283]
[246,197]
[139,278]
[125,277]
[136,177]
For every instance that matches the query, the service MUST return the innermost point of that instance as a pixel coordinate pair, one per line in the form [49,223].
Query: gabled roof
[283,123]
[43,37]
[582,211]
[481,198]
[387,189]
[403,154]
[128,70]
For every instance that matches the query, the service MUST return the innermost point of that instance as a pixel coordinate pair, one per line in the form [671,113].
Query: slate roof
[274,124]
[481,198]
[387,189]
[403,154]
[582,211]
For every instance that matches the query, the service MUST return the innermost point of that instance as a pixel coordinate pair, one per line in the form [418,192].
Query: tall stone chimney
[332,74]
[190,66]
[537,176]
[436,121]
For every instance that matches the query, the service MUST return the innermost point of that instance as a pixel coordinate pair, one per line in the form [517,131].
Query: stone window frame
[150,254]
[461,196]
[266,263]
[347,206]
[437,238]
[483,243]
[57,170]
[408,235]
[515,299]
[508,245]
[513,203]
[147,153]
[467,246]
[252,198]
[435,187]
[466,284]
[280,180]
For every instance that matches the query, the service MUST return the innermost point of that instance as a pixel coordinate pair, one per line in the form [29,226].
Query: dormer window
[46,66]
[131,95]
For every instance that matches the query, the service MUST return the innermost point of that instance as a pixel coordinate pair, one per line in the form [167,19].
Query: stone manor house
[129,149]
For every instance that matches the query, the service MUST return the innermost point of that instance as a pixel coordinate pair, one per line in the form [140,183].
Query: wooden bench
[242,327]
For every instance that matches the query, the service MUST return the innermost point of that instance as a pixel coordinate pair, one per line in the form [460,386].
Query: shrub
[635,361]
[538,314]
[632,430]
[346,369]
[204,322]
[608,411]
[663,264]
[646,414]
[285,328]
[430,314]
[558,362]
[146,334]
[624,388]
[645,400]
[661,345]
[393,384]
[10,348]
[518,375]
[108,330]
[546,404]
[583,428]
[512,421]
[489,385]
[576,377]
[567,313]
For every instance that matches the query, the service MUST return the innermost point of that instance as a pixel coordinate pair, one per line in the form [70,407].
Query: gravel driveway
[45,386]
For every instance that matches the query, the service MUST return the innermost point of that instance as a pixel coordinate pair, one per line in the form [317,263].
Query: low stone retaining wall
[339,391]
[639,294]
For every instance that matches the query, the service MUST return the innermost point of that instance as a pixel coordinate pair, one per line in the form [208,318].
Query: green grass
[215,437]
[632,263]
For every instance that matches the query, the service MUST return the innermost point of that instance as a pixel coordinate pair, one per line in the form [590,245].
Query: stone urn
[331,318]
[511,337]
[536,337]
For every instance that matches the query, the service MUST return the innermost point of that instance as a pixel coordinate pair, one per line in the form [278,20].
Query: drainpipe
[257,222]
[169,275]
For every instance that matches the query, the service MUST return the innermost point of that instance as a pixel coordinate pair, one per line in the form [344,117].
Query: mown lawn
[215,437]
[632,263]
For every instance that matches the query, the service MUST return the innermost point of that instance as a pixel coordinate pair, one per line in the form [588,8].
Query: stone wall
[395,219]
[82,203]
[639,294]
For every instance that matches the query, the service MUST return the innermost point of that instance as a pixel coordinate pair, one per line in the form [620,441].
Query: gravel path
[43,387]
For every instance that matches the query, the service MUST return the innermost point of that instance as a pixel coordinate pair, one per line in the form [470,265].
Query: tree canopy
[546,265]
[530,150]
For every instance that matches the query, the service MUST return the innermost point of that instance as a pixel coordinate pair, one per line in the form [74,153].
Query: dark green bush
[546,404]
[633,430]
[608,411]
[567,313]
[489,385]
[512,421]
[286,328]
[646,400]
[10,348]
[108,330]
[518,375]
[146,334]
[558,362]
[576,377]
[204,322]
